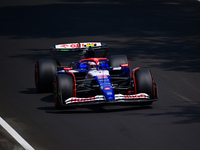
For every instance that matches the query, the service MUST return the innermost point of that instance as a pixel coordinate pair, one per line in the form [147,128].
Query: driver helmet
[92,65]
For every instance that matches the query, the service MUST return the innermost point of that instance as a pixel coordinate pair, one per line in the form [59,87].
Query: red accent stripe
[78,100]
[67,68]
[154,90]
[96,60]
[129,68]
[74,91]
[124,65]
[135,85]
[36,75]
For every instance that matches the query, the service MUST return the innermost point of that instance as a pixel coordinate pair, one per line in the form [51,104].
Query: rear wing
[77,47]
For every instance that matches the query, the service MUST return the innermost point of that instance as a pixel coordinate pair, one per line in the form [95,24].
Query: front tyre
[63,89]
[144,83]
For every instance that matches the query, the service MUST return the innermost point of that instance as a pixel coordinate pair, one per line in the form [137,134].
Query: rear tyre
[45,70]
[63,89]
[144,82]
[117,60]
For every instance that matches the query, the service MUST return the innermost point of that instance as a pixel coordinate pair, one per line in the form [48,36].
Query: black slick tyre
[117,60]
[144,82]
[45,70]
[63,89]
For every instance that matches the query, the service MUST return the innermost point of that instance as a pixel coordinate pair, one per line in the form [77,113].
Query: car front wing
[98,99]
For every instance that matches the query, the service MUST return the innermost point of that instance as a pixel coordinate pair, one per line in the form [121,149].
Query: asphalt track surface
[163,36]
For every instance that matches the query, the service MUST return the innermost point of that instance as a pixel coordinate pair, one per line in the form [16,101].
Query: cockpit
[93,64]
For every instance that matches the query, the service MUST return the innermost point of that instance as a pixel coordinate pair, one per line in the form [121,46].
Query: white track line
[15,135]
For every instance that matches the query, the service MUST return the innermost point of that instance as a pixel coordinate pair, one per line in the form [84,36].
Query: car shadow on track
[93,109]
[29,91]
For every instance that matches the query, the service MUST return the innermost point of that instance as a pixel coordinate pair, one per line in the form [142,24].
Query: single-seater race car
[93,80]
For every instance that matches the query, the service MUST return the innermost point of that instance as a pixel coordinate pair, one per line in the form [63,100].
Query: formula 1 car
[93,80]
